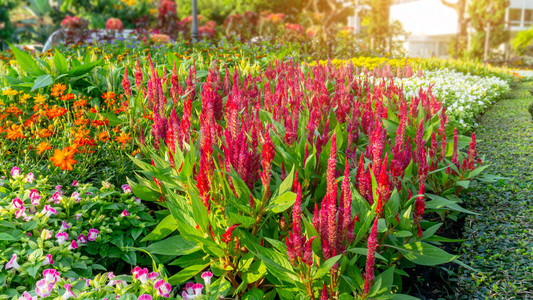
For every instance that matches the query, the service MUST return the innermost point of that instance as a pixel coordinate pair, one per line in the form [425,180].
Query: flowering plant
[64,228]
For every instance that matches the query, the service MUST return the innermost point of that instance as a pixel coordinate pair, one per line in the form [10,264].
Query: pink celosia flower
[73,245]
[35,198]
[145,297]
[15,172]
[125,213]
[82,239]
[49,210]
[68,293]
[51,275]
[197,289]
[61,237]
[126,83]
[17,203]
[13,263]
[64,226]
[48,260]
[206,276]
[43,288]
[29,178]
[163,288]
[93,234]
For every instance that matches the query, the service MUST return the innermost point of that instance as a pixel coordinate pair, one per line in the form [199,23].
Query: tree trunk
[487,43]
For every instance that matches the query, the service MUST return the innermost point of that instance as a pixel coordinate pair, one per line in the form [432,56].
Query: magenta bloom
[29,178]
[49,210]
[78,216]
[73,245]
[20,213]
[61,237]
[27,296]
[68,293]
[76,196]
[145,297]
[15,172]
[56,197]
[13,263]
[43,288]
[51,275]
[46,234]
[163,288]
[206,276]
[153,275]
[35,198]
[125,213]
[64,226]
[75,183]
[48,260]
[197,289]
[126,188]
[17,203]
[142,275]
[93,234]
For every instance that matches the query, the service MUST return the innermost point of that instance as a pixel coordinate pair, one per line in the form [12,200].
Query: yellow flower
[24,98]
[9,92]
[39,98]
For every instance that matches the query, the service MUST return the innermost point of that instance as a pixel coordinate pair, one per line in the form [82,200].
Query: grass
[499,241]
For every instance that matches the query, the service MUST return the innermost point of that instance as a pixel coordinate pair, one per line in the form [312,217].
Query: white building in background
[431,24]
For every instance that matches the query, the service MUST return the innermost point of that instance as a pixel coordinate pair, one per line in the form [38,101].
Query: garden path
[499,241]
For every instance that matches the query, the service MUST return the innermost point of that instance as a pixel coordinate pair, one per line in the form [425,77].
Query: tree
[488,20]
[378,27]
[461,40]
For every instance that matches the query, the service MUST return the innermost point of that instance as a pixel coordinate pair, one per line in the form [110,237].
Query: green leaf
[256,271]
[26,62]
[364,252]
[162,230]
[254,294]
[425,254]
[60,62]
[282,202]
[326,266]
[83,69]
[187,273]
[175,245]
[42,81]
[6,237]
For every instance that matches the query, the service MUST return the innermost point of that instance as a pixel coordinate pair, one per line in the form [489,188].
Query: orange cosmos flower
[64,158]
[14,110]
[44,133]
[67,97]
[123,139]
[103,136]
[15,132]
[43,146]
[81,121]
[80,103]
[55,112]
[58,89]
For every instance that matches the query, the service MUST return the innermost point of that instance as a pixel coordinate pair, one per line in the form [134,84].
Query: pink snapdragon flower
[43,288]
[46,234]
[56,198]
[76,196]
[125,213]
[35,198]
[17,203]
[13,264]
[61,237]
[163,288]
[21,213]
[27,296]
[30,177]
[73,245]
[68,293]
[78,216]
[64,226]
[142,275]
[15,172]
[93,234]
[75,183]
[206,276]
[153,275]
[48,260]
[126,188]
[144,297]
[82,239]
[51,275]
[49,210]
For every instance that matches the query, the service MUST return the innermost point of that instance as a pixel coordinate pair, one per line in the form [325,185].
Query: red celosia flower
[371,257]
[126,83]
[227,236]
